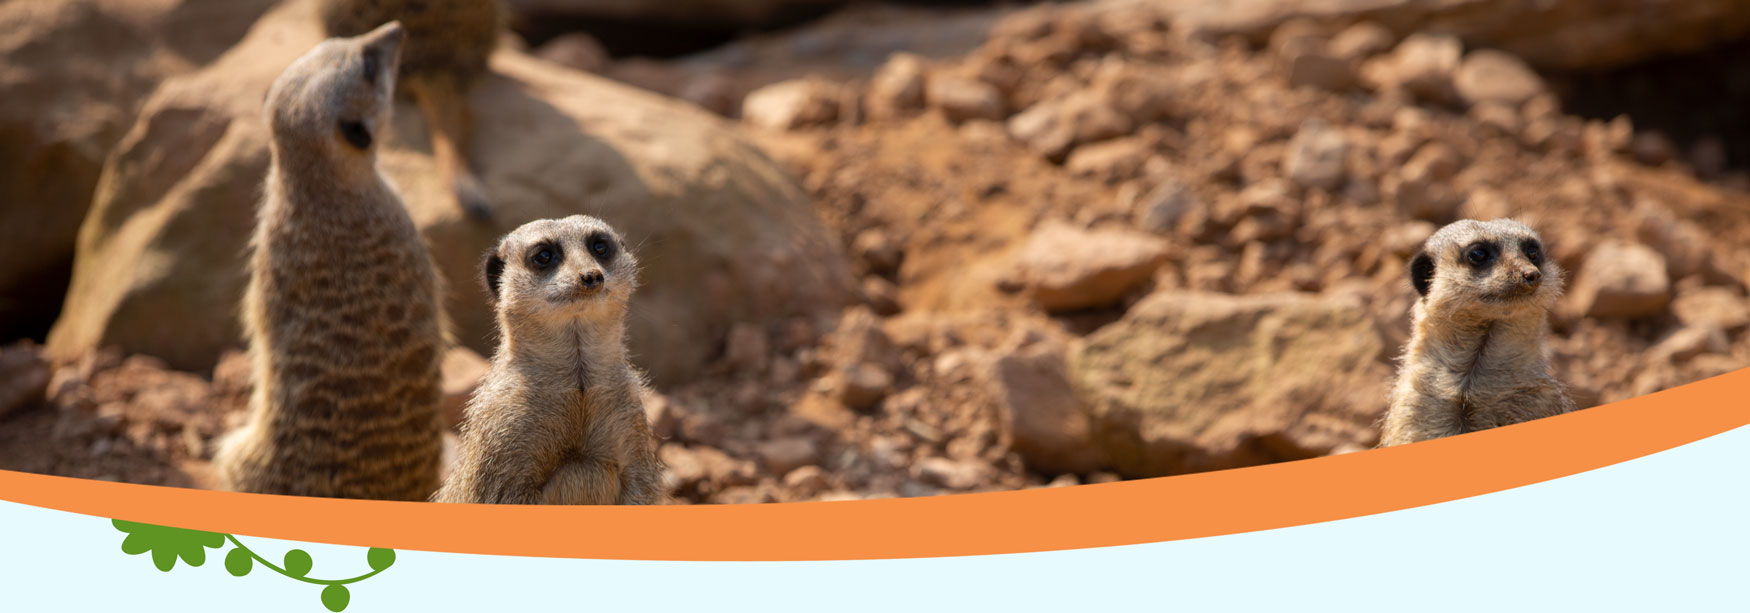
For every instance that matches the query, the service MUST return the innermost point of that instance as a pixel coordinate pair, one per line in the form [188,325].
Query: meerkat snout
[593,279]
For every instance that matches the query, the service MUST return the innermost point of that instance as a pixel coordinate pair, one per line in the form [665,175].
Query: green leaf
[335,597]
[298,563]
[380,558]
[167,543]
[238,562]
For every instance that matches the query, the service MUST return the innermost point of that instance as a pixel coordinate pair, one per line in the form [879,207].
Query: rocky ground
[1099,245]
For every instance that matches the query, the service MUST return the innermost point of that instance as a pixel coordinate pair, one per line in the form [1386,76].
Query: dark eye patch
[545,255]
[1533,251]
[356,134]
[1481,254]
[602,247]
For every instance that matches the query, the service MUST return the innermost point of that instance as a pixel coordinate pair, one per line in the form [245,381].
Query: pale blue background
[1669,532]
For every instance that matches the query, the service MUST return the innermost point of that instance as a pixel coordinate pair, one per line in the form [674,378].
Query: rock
[1361,41]
[1143,95]
[881,295]
[1267,212]
[1715,307]
[73,74]
[462,370]
[952,474]
[961,99]
[897,89]
[1621,280]
[1653,148]
[792,104]
[1054,127]
[1110,161]
[1322,70]
[863,385]
[1689,342]
[1046,423]
[1195,381]
[1422,65]
[1316,156]
[158,269]
[702,470]
[808,479]
[577,51]
[1488,75]
[878,251]
[783,455]
[24,377]
[1163,206]
[1066,268]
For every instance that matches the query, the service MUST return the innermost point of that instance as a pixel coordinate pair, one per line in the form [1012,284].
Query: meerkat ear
[1422,272]
[492,268]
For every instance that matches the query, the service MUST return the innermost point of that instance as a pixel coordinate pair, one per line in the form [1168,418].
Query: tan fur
[559,418]
[448,44]
[1475,359]
[341,310]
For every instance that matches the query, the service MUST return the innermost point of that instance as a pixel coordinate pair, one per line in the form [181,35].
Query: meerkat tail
[445,105]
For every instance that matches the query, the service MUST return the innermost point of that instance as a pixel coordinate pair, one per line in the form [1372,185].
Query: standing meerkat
[341,311]
[559,418]
[448,44]
[1475,359]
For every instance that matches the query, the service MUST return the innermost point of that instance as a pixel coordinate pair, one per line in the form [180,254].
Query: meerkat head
[1495,269]
[337,96]
[560,270]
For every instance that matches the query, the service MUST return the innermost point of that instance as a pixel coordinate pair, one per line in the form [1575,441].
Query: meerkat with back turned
[558,418]
[1475,359]
[448,45]
[341,310]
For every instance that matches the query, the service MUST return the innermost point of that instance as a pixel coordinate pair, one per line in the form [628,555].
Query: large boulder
[72,76]
[722,233]
[1194,381]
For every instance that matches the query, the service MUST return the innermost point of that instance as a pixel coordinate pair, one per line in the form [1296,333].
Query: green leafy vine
[169,544]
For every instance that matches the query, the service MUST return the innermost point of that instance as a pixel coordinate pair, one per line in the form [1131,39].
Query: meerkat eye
[1478,255]
[1534,252]
[356,133]
[543,257]
[601,247]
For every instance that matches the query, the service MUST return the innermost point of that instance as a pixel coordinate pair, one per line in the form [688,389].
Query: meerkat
[342,309]
[1475,359]
[448,44]
[559,418]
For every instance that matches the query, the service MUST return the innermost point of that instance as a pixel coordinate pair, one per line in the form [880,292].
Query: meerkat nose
[1532,277]
[593,279]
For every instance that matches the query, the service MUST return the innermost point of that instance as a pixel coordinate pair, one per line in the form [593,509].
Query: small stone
[783,455]
[878,251]
[1716,307]
[1054,127]
[961,99]
[1047,424]
[1653,148]
[807,479]
[1494,76]
[24,377]
[1068,268]
[1316,155]
[881,295]
[1111,161]
[1622,280]
[1502,118]
[792,104]
[952,474]
[863,385]
[1163,206]
[1361,41]
[1689,342]
[897,89]
[1422,65]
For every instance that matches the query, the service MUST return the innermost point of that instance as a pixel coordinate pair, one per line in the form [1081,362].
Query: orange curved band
[1143,511]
